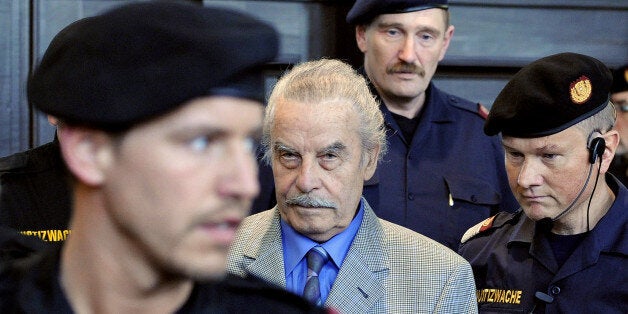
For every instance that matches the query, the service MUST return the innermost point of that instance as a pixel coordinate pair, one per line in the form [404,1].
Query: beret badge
[580,90]
[626,75]
[550,95]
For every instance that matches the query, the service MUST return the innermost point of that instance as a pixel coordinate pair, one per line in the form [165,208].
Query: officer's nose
[407,51]
[529,175]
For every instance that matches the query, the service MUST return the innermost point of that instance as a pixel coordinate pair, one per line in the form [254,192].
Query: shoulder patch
[483,111]
[487,224]
[477,229]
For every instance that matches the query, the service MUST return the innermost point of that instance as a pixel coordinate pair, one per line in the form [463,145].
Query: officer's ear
[85,151]
[611,141]
[360,37]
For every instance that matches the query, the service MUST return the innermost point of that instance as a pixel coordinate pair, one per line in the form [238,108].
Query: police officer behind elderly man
[441,175]
[566,249]
[159,107]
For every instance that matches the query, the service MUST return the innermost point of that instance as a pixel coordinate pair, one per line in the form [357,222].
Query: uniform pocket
[472,190]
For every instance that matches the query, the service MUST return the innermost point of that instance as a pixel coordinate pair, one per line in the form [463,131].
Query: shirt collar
[296,245]
[523,231]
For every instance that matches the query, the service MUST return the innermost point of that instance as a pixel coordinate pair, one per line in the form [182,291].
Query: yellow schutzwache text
[498,296]
[48,235]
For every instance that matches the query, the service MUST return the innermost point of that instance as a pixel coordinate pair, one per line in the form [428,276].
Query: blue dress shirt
[296,245]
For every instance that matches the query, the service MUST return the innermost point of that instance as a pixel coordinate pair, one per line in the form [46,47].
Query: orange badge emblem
[626,74]
[487,224]
[580,90]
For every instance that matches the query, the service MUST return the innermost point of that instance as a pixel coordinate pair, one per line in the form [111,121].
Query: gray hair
[327,80]
[601,122]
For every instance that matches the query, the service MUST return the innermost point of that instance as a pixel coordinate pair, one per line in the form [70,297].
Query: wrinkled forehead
[333,110]
[329,119]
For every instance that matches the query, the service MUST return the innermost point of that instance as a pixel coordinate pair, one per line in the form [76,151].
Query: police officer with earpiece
[566,249]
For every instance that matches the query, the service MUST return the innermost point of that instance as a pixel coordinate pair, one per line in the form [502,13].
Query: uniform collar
[523,231]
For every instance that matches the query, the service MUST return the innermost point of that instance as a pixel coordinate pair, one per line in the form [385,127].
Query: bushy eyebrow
[281,147]
[336,147]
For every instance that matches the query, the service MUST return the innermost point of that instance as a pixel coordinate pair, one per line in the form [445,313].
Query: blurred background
[493,39]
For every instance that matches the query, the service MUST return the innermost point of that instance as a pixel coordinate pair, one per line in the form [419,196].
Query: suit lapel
[266,254]
[360,280]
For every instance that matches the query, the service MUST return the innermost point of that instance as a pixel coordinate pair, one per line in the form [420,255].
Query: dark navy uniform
[32,286]
[512,260]
[35,197]
[619,168]
[450,177]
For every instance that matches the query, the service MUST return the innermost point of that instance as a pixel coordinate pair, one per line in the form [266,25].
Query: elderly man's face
[402,51]
[319,166]
[547,173]
[177,187]
[621,106]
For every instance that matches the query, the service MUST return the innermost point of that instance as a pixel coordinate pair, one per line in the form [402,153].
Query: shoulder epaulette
[472,107]
[488,224]
[475,230]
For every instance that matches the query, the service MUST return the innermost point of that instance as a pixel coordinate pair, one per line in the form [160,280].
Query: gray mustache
[305,200]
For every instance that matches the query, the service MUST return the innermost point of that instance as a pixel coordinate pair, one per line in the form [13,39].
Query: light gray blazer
[388,269]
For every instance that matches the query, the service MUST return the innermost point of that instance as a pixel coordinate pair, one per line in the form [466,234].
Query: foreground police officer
[441,175]
[566,250]
[160,105]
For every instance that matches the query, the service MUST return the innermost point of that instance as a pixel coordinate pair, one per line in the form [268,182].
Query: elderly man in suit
[323,136]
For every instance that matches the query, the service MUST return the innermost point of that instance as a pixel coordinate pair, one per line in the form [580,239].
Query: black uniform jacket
[32,286]
[35,194]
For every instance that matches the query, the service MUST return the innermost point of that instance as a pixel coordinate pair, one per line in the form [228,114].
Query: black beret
[142,60]
[549,95]
[363,11]
[620,80]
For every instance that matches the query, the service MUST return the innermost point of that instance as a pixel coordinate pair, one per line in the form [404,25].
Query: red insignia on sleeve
[482,111]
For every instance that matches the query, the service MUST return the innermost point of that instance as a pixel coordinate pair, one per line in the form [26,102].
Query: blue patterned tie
[316,258]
